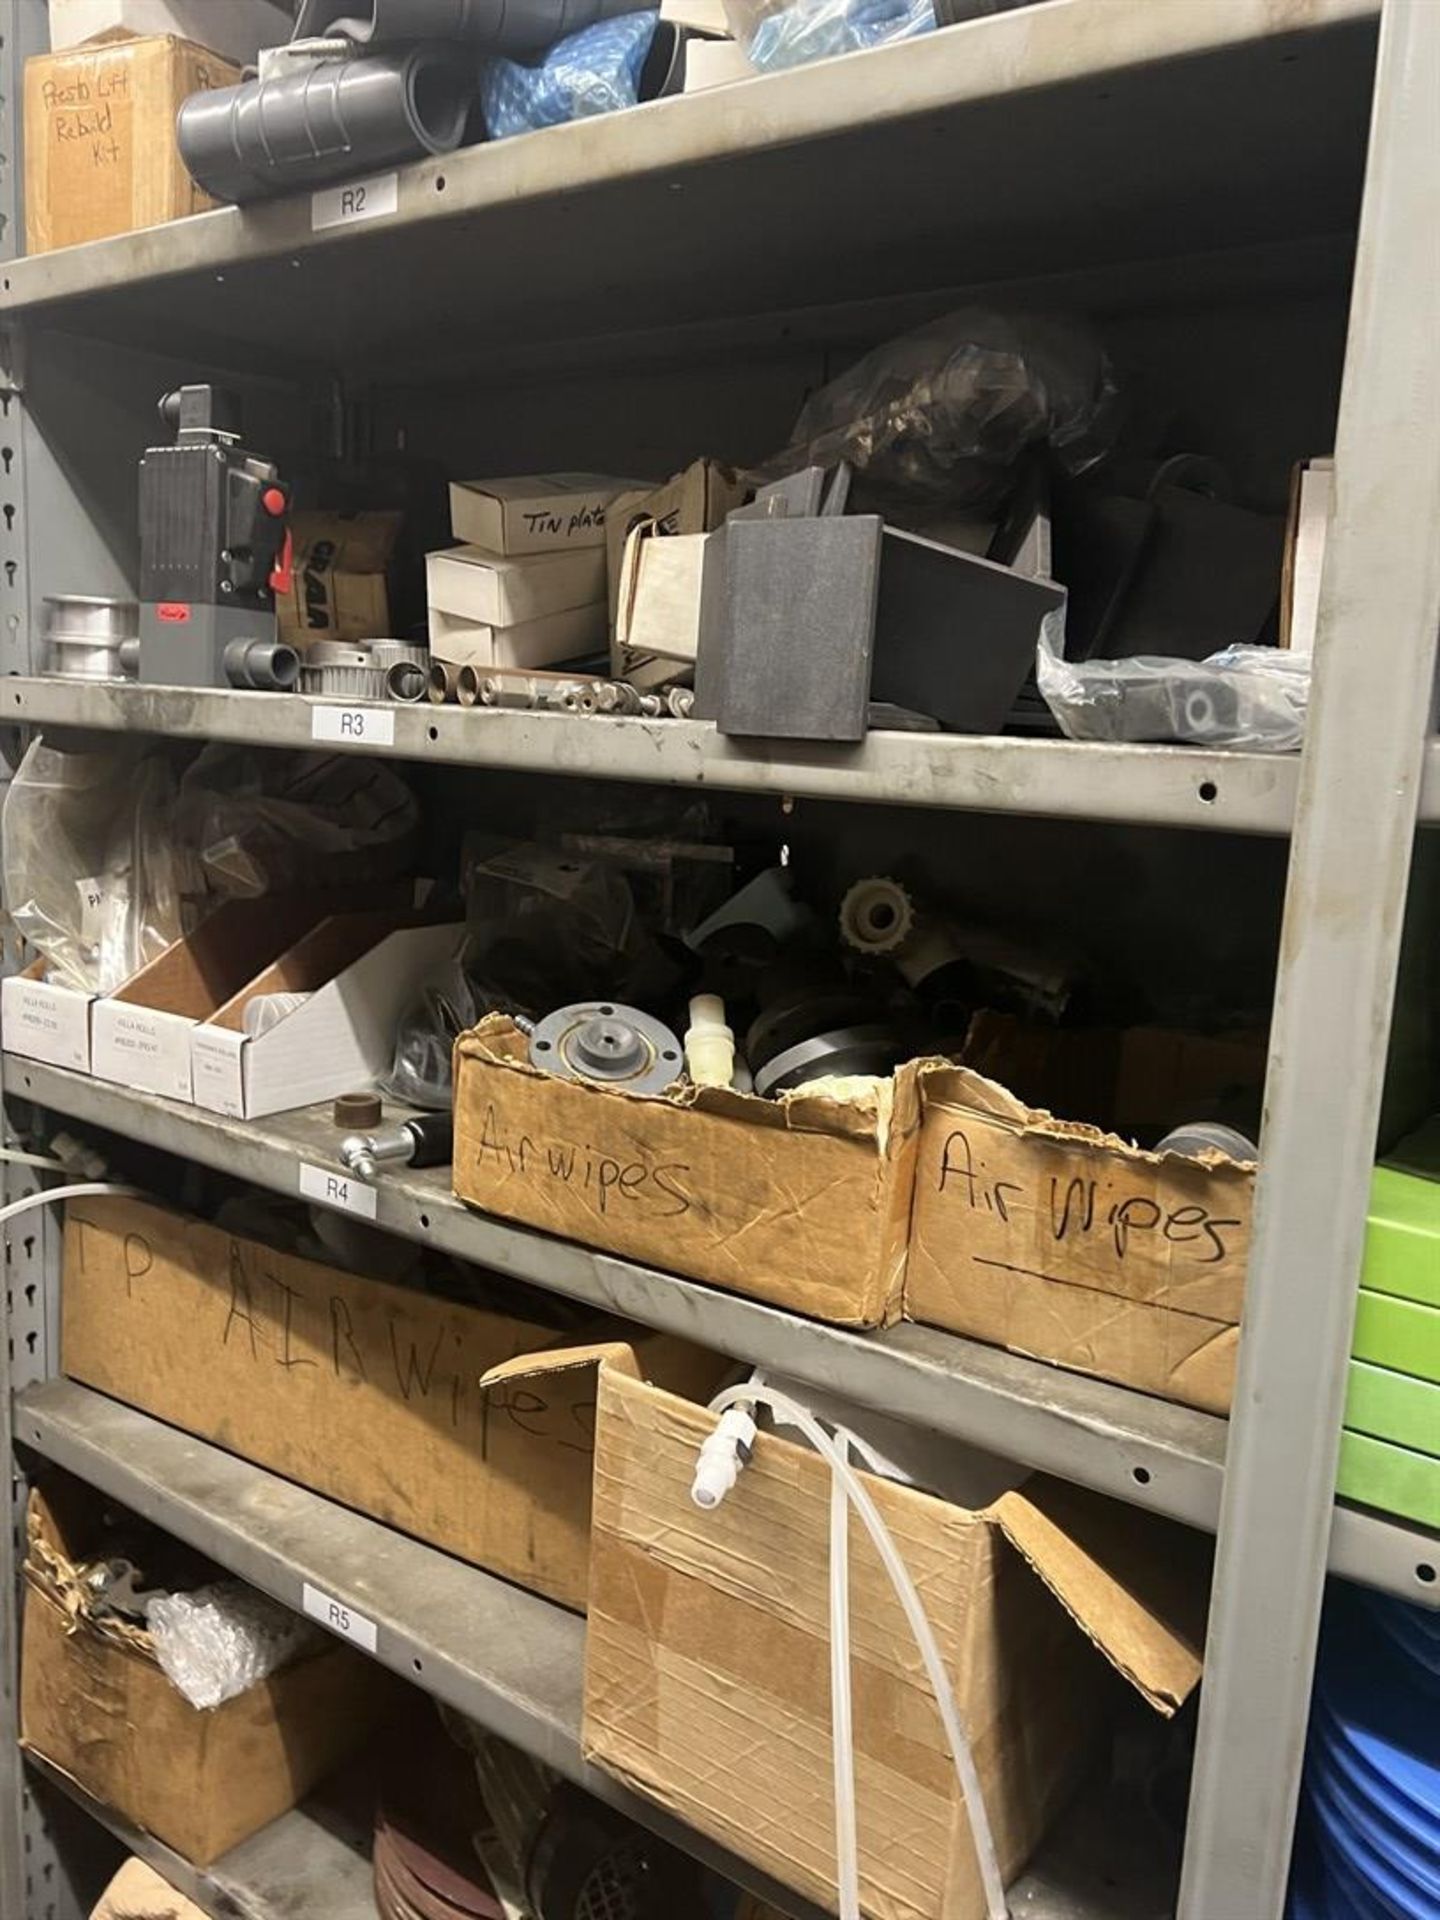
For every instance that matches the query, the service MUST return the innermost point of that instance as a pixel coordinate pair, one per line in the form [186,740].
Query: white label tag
[342,1620]
[368,726]
[358,200]
[92,911]
[340,1190]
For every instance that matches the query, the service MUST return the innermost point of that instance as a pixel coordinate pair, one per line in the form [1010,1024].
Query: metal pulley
[609,1044]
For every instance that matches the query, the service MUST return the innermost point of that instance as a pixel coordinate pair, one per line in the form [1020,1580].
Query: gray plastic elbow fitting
[262,666]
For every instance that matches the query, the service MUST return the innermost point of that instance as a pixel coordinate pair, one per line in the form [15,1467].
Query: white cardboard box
[140,1034]
[341,1038]
[715,63]
[533,513]
[492,591]
[531,643]
[657,626]
[45,1020]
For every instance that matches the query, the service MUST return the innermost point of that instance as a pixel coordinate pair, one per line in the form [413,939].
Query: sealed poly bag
[591,72]
[92,876]
[948,411]
[776,34]
[1244,696]
[219,1641]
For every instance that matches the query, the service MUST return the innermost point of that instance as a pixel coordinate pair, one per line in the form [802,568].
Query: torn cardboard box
[802,1201]
[365,1392]
[694,501]
[707,1671]
[660,616]
[95,1703]
[339,584]
[1061,1241]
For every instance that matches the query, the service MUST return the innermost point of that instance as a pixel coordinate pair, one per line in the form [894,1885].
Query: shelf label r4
[335,1189]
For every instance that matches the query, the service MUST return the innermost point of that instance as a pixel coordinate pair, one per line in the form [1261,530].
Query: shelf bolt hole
[1425,1574]
[1141,1476]
[1209,792]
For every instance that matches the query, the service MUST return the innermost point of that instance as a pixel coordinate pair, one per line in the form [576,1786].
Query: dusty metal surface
[1150,785]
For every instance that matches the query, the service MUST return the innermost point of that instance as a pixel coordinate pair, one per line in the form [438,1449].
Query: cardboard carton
[45,1019]
[360,971]
[100,152]
[533,513]
[802,1201]
[529,643]
[140,1034]
[489,590]
[339,588]
[707,1681]
[1065,1241]
[693,501]
[658,623]
[96,1705]
[363,1391]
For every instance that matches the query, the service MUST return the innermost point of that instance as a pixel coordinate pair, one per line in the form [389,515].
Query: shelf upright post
[1372,705]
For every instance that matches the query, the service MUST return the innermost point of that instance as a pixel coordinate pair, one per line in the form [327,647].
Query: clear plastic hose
[77,1192]
[12,1156]
[836,1456]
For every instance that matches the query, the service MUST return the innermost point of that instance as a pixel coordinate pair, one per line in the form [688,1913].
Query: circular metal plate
[608,1044]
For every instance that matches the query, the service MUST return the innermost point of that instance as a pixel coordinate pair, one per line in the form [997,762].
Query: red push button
[274,502]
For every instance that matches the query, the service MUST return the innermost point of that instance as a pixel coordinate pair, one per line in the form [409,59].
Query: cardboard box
[235,31]
[707,1682]
[716,63]
[339,587]
[361,972]
[658,623]
[45,1020]
[533,513]
[140,1034]
[530,643]
[802,1201]
[366,1392]
[137,1892]
[95,1704]
[492,591]
[1058,1240]
[694,501]
[100,152]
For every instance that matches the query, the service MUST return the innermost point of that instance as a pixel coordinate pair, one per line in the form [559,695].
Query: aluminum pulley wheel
[607,1043]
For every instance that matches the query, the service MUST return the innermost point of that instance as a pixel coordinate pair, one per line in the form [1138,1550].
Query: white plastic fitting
[709,1043]
[720,1459]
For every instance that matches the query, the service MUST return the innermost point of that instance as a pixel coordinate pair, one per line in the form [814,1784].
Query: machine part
[930,947]
[755,922]
[111,1586]
[214,543]
[608,1044]
[358,1112]
[406,681]
[129,657]
[313,120]
[801,1010]
[876,1049]
[652,705]
[515,28]
[877,916]
[616,696]
[467,687]
[341,671]
[709,1043]
[589,1862]
[262,666]
[1209,1136]
[427,1140]
[385,653]
[680,701]
[497,691]
[444,687]
[86,635]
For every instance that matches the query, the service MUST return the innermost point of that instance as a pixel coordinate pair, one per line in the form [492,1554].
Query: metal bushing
[608,1044]
[876,1049]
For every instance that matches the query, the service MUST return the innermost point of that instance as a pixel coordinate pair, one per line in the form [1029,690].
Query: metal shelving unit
[1201,139]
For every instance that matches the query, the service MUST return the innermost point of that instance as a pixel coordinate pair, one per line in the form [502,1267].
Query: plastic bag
[1253,697]
[778,37]
[948,410]
[272,822]
[92,876]
[591,72]
[421,1073]
[219,1641]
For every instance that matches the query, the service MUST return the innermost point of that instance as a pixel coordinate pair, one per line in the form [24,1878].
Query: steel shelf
[1251,793]
[1149,1452]
[510,1660]
[796,191]
[313,1863]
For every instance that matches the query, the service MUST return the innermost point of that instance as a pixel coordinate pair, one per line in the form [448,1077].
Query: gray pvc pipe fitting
[262,666]
[515,28]
[313,120]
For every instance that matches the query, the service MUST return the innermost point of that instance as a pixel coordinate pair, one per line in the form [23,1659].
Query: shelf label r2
[354,726]
[339,1619]
[370,199]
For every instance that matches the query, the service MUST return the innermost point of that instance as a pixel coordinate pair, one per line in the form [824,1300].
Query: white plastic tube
[12,1156]
[836,1456]
[77,1192]
[709,1043]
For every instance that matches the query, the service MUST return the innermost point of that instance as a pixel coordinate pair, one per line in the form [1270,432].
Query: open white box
[360,971]
[140,1034]
[45,1019]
